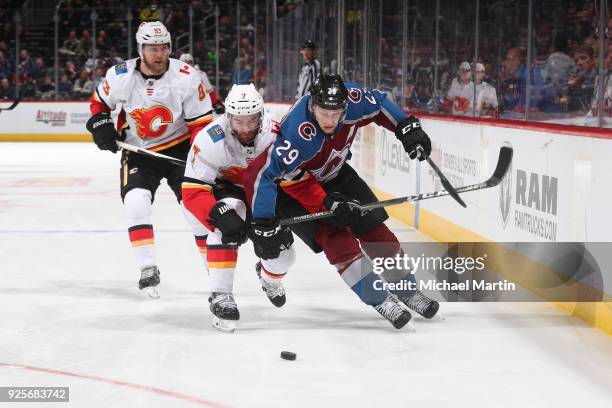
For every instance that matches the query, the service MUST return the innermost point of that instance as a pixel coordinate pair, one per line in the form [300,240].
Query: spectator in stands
[123,42]
[408,90]
[607,111]
[40,71]
[83,87]
[28,89]
[113,57]
[93,63]
[461,92]
[100,73]
[85,44]
[6,92]
[559,66]
[5,69]
[102,42]
[152,12]
[510,78]
[26,66]
[486,96]
[70,70]
[513,88]
[421,99]
[64,87]
[581,84]
[445,82]
[246,27]
[71,44]
[47,88]
[242,72]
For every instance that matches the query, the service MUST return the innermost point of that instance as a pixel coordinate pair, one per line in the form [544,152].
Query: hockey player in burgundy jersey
[309,160]
[163,104]
[212,190]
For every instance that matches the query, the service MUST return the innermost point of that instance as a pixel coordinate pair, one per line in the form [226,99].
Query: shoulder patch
[121,68]
[216,133]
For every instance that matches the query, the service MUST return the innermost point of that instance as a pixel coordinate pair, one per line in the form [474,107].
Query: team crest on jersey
[152,122]
[307,131]
[121,68]
[333,164]
[216,133]
[354,95]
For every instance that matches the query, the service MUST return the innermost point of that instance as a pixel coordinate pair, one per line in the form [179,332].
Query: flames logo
[152,122]
[461,104]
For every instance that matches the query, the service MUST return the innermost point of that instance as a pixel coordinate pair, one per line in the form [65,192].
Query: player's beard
[245,138]
[155,66]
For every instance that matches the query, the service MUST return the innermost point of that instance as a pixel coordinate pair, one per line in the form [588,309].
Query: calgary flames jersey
[462,97]
[217,155]
[158,111]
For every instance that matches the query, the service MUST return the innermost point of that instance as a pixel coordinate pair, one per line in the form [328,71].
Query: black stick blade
[503,164]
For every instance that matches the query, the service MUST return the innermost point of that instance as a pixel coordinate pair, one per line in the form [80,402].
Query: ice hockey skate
[275,291]
[391,310]
[225,311]
[149,279]
[426,307]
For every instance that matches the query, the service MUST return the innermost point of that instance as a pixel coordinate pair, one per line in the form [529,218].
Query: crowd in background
[563,73]
[81,69]
[564,58]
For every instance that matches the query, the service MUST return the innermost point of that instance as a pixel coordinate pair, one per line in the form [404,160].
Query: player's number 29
[287,153]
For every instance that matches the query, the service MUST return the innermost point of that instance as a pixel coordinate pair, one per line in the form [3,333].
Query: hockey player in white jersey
[213,193]
[212,92]
[163,102]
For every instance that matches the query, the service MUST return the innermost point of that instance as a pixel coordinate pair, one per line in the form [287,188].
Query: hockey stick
[445,183]
[503,164]
[13,106]
[146,152]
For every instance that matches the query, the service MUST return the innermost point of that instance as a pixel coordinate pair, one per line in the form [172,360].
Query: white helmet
[187,59]
[152,32]
[243,100]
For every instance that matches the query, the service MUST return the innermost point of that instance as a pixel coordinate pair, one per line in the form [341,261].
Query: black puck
[287,355]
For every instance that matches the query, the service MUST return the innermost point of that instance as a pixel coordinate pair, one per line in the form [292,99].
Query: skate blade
[151,291]
[226,326]
[409,327]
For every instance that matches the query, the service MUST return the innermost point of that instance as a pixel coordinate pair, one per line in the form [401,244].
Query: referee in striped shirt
[311,69]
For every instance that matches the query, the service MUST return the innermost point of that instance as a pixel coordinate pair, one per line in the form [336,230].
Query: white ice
[71,315]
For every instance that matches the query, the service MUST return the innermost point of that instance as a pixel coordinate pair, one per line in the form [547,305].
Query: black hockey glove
[219,108]
[103,130]
[225,219]
[269,238]
[345,214]
[410,133]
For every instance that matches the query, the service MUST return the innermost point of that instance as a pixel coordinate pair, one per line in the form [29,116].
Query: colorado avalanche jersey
[304,150]
[216,154]
[159,110]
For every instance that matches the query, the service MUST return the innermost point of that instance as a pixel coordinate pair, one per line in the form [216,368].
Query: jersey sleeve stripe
[189,120]
[173,142]
[200,122]
[305,176]
[99,98]
[191,180]
[199,186]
